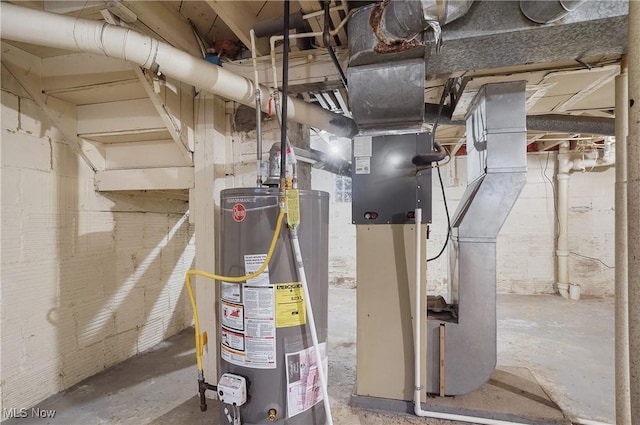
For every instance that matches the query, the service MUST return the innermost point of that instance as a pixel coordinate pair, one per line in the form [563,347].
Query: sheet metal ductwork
[389,47]
[497,167]
[405,20]
[545,12]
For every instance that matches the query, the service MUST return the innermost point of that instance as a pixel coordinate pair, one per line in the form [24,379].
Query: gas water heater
[264,331]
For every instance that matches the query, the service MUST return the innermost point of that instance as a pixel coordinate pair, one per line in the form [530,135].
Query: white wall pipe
[70,33]
[623,400]
[302,275]
[417,337]
[565,167]
[562,250]
[417,406]
[587,164]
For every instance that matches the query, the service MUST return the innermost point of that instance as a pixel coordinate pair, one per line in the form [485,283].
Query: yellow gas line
[201,338]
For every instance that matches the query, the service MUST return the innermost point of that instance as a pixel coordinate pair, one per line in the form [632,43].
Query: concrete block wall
[342,234]
[526,245]
[87,279]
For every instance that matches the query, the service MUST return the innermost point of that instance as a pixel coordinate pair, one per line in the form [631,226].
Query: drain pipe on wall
[562,251]
[565,167]
[85,35]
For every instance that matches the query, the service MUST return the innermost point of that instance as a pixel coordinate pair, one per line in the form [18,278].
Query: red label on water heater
[239,212]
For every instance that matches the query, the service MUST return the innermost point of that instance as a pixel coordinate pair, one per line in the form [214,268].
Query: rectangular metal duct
[497,167]
[386,83]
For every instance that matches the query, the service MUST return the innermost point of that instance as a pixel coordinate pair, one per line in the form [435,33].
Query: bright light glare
[395,160]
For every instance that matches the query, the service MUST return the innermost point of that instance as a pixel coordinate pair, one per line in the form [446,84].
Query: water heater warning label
[290,310]
[252,263]
[250,309]
[232,316]
[232,339]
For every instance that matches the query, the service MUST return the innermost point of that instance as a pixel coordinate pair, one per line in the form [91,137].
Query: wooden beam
[459,144]
[210,133]
[26,69]
[145,179]
[609,73]
[240,21]
[165,115]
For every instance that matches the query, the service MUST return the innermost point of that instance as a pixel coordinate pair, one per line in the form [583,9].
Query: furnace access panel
[387,186]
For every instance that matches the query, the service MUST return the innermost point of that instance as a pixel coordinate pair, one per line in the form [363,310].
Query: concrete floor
[567,346]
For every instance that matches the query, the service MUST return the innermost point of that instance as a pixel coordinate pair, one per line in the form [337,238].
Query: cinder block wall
[526,245]
[87,279]
[342,234]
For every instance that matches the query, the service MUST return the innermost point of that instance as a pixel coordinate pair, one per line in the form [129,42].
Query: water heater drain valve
[232,389]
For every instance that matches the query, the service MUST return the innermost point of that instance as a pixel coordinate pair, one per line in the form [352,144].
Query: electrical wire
[555,197]
[285,102]
[446,209]
[444,195]
[592,258]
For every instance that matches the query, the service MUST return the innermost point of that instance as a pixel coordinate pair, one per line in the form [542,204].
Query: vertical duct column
[633,207]
[497,172]
[623,401]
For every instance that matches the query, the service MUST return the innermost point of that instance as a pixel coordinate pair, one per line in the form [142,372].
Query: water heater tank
[264,334]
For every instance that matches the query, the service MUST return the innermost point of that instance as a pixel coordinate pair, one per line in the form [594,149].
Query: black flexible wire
[444,195]
[446,208]
[285,93]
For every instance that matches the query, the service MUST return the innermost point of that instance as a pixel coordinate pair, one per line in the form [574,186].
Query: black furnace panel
[387,186]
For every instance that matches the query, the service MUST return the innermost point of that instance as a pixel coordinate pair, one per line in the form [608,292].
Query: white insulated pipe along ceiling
[84,35]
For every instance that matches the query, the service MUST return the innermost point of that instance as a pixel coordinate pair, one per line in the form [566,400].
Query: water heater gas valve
[232,389]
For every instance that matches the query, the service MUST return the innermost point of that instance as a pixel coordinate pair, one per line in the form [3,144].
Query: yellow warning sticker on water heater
[290,310]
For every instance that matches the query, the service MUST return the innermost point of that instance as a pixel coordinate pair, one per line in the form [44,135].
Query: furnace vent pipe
[84,35]
[545,12]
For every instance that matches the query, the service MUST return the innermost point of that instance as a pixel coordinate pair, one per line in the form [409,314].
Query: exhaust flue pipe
[84,35]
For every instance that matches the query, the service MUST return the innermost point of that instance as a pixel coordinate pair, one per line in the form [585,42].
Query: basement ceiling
[569,87]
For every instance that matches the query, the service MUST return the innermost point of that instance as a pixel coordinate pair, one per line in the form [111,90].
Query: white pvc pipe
[83,35]
[417,406]
[565,167]
[416,315]
[302,275]
[562,250]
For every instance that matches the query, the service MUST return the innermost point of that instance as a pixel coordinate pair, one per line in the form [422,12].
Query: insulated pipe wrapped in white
[83,35]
